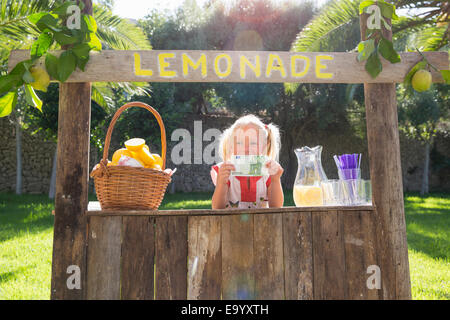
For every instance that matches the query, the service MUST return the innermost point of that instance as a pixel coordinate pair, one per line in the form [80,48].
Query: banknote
[249,165]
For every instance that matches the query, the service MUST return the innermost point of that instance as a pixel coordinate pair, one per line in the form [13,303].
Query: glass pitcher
[307,186]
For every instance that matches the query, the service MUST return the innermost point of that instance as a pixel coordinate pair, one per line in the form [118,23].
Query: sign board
[238,66]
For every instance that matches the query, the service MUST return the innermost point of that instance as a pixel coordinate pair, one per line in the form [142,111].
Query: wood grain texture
[204,258]
[71,198]
[329,260]
[138,258]
[119,66]
[360,253]
[171,258]
[103,266]
[298,256]
[94,209]
[387,187]
[268,257]
[238,279]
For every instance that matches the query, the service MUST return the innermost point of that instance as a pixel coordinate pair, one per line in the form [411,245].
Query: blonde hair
[272,134]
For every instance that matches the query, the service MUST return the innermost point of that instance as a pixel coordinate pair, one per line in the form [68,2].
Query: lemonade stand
[308,252]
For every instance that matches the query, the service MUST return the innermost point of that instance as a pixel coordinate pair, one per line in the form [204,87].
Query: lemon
[41,78]
[135,144]
[146,157]
[421,80]
[118,154]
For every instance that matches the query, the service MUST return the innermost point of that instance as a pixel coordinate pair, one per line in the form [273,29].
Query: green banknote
[249,165]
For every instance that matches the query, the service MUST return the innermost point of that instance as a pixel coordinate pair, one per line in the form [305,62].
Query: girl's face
[248,140]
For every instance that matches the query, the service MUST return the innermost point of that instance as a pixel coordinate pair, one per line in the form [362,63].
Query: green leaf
[66,65]
[373,65]
[22,72]
[364,5]
[88,24]
[7,103]
[27,77]
[446,76]
[49,21]
[8,82]
[82,50]
[81,63]
[386,48]
[387,10]
[42,44]
[35,17]
[365,49]
[95,42]
[51,64]
[65,39]
[32,98]
[62,9]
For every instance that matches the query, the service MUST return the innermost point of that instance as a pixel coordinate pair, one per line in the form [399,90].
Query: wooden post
[69,237]
[387,186]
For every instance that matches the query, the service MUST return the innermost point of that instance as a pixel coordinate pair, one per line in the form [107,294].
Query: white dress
[245,192]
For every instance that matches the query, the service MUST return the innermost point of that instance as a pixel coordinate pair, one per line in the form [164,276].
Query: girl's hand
[224,172]
[275,168]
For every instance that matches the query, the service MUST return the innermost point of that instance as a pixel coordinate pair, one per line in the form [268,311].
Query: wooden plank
[204,258]
[360,253]
[94,209]
[231,66]
[138,258]
[71,199]
[238,280]
[387,188]
[171,258]
[268,257]
[328,253]
[298,256]
[103,265]
[71,190]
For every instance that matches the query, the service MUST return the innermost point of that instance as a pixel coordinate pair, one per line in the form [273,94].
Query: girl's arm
[275,191]
[219,199]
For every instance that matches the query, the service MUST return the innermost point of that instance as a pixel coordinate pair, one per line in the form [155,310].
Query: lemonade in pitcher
[308,196]
[307,186]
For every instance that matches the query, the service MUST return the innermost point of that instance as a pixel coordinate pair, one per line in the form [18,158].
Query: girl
[248,136]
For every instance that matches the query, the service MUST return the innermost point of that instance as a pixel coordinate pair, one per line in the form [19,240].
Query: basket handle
[116,116]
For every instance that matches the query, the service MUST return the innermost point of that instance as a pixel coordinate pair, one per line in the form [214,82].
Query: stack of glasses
[350,189]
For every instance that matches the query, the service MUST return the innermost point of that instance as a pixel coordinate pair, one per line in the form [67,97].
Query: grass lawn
[26,231]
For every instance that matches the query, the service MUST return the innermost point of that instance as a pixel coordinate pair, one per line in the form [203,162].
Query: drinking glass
[364,192]
[331,189]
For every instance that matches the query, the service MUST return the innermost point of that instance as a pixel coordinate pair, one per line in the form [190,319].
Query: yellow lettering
[320,66]
[227,72]
[137,67]
[187,61]
[294,66]
[256,68]
[163,64]
[278,67]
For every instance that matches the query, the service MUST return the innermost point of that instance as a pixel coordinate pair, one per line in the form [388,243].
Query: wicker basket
[122,187]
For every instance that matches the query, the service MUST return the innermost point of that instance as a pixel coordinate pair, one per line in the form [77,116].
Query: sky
[137,9]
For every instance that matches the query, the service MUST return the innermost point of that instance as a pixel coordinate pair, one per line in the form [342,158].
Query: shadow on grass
[428,224]
[11,275]
[24,214]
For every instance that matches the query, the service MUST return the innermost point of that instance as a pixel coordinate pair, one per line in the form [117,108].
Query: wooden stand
[292,253]
[288,253]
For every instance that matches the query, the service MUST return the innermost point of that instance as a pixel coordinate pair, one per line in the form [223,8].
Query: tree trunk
[51,191]
[18,156]
[424,188]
